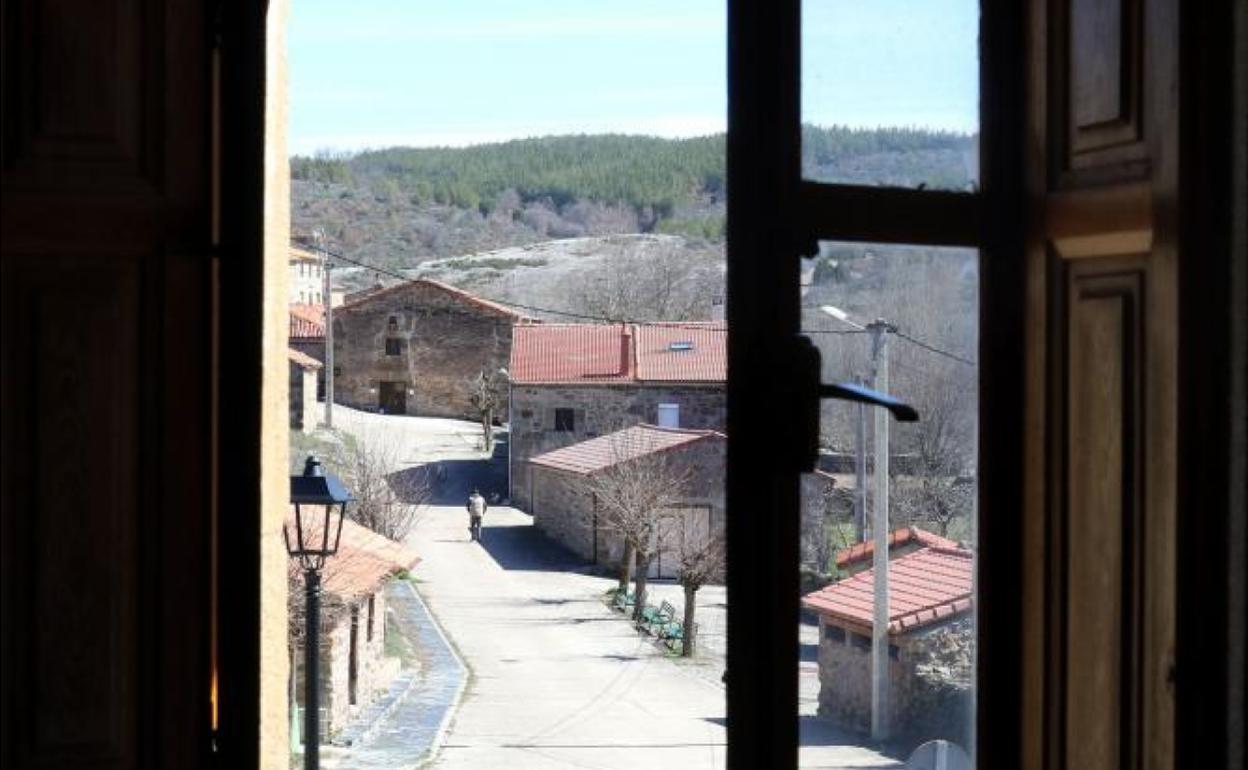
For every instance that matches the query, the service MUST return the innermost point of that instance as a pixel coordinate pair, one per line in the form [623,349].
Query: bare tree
[634,497]
[665,282]
[488,394]
[387,500]
[700,554]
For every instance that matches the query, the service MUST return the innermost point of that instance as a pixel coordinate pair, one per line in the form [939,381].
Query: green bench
[622,600]
[674,633]
[652,618]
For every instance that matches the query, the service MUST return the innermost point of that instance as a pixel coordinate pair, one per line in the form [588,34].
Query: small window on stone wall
[565,420]
[834,634]
[394,347]
[393,324]
[860,642]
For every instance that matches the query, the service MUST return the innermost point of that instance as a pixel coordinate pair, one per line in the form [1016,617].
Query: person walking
[476,512]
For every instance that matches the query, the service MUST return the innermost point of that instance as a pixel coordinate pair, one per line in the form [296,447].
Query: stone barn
[354,667]
[572,382]
[930,631]
[567,511]
[413,348]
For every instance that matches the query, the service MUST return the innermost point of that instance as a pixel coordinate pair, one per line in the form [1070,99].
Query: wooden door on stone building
[392,397]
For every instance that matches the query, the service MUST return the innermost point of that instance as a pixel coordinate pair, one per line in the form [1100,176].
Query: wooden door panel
[1101,525]
[71,466]
[105,257]
[1097,65]
[1103,318]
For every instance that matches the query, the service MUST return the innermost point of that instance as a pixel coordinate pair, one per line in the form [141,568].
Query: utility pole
[860,471]
[880,727]
[327,298]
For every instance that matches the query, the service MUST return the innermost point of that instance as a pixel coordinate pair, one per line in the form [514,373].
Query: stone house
[565,510]
[572,382]
[412,349]
[303,373]
[354,669]
[931,638]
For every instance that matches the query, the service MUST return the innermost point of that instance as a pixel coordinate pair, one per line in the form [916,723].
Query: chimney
[717,309]
[626,351]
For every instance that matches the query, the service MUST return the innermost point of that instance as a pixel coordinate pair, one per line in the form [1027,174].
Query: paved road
[557,679]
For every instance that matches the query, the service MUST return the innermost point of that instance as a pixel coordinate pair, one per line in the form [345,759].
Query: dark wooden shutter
[1102,324]
[106,262]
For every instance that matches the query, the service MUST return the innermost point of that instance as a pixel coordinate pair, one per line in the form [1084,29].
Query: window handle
[806,391]
[848,391]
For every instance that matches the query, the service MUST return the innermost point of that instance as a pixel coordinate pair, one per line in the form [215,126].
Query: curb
[440,736]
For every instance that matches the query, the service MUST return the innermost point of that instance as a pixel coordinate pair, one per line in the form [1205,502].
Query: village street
[556,678]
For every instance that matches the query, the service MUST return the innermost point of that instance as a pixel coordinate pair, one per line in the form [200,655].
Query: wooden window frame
[762,723]
[775,217]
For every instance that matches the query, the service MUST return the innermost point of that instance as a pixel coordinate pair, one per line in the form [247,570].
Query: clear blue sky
[375,73]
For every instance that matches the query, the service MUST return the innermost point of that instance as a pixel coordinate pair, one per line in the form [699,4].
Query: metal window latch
[807,366]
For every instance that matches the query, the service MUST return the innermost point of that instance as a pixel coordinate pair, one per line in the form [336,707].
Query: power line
[534,308]
[607,319]
[933,348]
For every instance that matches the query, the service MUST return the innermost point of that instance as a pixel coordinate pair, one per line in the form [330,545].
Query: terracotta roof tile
[596,454]
[365,560]
[300,254]
[485,304]
[898,537]
[685,352]
[303,359]
[549,354]
[925,586]
[307,321]
[570,353]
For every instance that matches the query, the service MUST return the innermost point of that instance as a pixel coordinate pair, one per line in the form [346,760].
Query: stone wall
[564,510]
[443,342]
[597,410]
[375,670]
[931,681]
[316,349]
[302,398]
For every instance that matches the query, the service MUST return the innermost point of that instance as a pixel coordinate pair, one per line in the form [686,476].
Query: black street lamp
[320,502]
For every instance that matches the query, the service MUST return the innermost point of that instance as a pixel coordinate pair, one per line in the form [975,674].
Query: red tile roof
[550,354]
[897,538]
[924,587]
[300,254]
[364,561]
[684,352]
[596,454]
[303,359]
[307,321]
[569,353]
[472,299]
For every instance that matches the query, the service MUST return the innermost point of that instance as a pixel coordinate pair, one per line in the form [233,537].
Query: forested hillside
[401,206]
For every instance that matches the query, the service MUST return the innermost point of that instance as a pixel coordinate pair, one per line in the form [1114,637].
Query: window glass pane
[890,92]
[520,209]
[901,319]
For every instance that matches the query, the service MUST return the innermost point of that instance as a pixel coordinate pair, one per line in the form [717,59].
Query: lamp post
[320,503]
